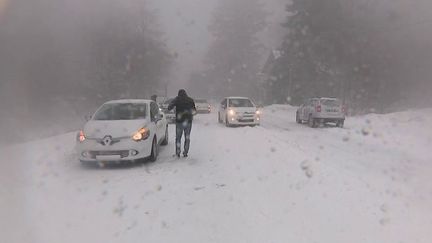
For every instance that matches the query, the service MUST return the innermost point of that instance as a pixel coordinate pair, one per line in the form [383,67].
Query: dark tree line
[64,58]
[233,58]
[56,49]
[350,49]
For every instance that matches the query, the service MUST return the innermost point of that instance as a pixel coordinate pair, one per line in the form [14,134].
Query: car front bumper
[124,150]
[234,120]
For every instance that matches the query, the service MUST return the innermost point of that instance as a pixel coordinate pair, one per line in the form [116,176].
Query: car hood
[244,109]
[115,129]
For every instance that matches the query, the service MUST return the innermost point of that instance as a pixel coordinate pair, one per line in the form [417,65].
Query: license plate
[108,157]
[332,110]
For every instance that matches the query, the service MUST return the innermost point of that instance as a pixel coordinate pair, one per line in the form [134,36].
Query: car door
[300,111]
[223,108]
[311,107]
[305,110]
[161,123]
[156,122]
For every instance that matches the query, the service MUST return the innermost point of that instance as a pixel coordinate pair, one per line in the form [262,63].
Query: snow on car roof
[128,101]
[236,97]
[325,98]
[328,98]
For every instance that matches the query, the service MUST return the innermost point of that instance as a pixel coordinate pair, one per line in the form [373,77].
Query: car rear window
[240,103]
[200,101]
[123,111]
[331,103]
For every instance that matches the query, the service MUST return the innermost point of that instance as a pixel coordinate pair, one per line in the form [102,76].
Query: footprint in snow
[159,188]
[384,221]
[306,167]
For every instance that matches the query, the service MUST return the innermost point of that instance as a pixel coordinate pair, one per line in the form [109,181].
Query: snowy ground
[280,182]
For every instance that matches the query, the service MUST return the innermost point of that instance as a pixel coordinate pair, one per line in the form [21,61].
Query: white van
[321,111]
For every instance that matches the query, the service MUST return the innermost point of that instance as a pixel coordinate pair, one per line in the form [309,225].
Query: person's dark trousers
[181,127]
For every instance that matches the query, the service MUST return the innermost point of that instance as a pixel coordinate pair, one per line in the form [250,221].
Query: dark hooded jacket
[185,107]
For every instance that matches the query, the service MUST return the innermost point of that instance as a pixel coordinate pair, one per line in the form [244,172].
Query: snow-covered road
[280,182]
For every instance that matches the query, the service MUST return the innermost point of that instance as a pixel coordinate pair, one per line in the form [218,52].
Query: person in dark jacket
[185,109]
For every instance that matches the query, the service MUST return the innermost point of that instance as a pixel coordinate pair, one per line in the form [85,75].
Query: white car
[238,111]
[123,130]
[202,106]
[317,111]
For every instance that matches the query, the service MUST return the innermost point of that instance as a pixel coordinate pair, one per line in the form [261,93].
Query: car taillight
[344,109]
[318,108]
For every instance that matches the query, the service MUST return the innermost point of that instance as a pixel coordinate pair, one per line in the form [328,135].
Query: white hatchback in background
[321,111]
[202,106]
[238,111]
[123,130]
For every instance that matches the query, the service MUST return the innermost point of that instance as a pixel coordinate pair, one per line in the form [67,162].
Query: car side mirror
[223,106]
[87,117]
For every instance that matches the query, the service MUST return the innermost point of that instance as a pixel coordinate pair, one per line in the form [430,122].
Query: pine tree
[233,58]
[329,51]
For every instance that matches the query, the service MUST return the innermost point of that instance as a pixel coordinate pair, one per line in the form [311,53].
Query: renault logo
[107,140]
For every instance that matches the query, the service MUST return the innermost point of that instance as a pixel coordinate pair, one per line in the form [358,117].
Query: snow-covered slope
[280,182]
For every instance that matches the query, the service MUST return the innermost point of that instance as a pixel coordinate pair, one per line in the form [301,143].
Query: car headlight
[80,136]
[141,134]
[231,112]
[258,112]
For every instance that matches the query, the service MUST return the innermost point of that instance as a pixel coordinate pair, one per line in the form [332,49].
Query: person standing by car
[185,109]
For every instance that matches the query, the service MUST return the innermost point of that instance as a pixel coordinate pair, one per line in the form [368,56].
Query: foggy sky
[185,25]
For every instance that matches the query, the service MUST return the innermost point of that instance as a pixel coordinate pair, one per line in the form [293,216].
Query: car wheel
[154,151]
[298,118]
[340,123]
[165,141]
[219,118]
[311,121]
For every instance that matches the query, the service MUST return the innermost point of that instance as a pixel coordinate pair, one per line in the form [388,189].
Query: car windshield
[200,101]
[240,103]
[123,111]
[331,102]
